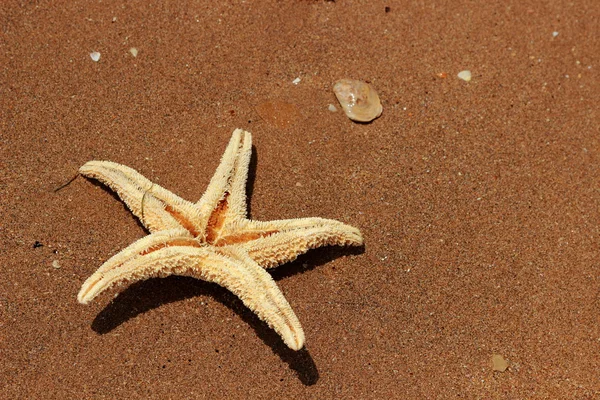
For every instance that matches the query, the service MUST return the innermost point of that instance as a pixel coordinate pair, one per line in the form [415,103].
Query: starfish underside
[212,239]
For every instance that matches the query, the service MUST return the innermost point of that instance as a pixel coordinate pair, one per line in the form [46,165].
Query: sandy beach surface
[479,201]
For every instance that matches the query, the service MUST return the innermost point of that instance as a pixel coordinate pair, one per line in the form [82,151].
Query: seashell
[358,99]
[465,75]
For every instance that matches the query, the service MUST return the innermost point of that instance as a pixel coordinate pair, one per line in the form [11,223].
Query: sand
[479,201]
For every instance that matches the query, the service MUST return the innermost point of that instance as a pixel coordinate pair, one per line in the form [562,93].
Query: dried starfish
[212,239]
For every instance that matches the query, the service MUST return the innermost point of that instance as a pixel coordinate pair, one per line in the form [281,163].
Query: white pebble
[95,56]
[133,51]
[332,108]
[296,81]
[465,75]
[554,34]
[55,264]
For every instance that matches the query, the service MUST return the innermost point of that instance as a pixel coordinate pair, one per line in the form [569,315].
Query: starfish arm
[281,241]
[173,237]
[230,269]
[156,207]
[237,189]
[226,192]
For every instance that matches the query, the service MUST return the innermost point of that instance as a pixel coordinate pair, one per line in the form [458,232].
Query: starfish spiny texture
[212,239]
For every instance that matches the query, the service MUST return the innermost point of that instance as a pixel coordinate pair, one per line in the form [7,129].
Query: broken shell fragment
[358,99]
[465,75]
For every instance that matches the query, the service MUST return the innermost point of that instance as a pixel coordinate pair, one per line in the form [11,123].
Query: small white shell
[95,56]
[358,99]
[465,75]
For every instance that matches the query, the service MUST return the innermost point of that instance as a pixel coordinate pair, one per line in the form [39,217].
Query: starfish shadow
[147,295]
[313,259]
[250,180]
[144,296]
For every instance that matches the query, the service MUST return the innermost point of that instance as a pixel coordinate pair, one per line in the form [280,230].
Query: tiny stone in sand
[499,363]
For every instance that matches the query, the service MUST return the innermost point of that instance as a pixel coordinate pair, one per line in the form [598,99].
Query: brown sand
[479,201]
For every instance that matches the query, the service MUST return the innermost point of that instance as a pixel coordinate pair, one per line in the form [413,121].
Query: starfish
[212,239]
